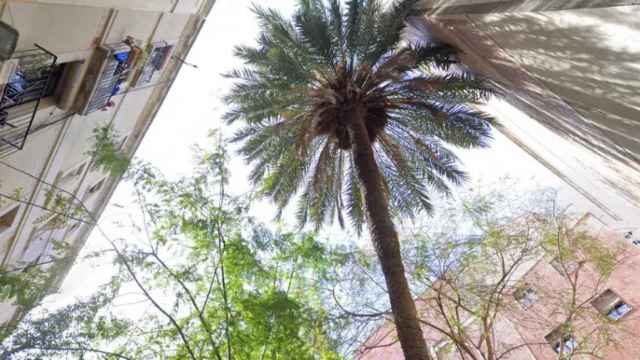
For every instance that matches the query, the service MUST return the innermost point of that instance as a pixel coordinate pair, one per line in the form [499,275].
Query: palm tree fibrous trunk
[385,240]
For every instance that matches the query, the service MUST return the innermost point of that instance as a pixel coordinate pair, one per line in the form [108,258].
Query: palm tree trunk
[385,239]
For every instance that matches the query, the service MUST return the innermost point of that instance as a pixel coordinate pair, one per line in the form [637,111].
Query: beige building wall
[56,148]
[570,70]
[167,6]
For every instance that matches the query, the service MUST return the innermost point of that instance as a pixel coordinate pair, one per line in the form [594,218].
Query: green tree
[202,281]
[107,151]
[25,285]
[483,265]
[343,110]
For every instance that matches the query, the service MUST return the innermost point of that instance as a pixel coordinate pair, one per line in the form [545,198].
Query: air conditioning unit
[107,75]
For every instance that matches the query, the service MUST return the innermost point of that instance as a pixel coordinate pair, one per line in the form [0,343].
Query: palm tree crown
[308,72]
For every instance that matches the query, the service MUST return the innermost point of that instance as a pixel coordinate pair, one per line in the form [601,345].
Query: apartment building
[67,68]
[572,87]
[569,71]
[529,325]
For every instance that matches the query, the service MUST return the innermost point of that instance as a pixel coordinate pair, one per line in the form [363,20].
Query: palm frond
[409,186]
[313,25]
[390,27]
[460,88]
[354,198]
[299,81]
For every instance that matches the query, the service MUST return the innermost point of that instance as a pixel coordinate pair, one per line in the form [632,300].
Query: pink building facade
[528,329]
[569,70]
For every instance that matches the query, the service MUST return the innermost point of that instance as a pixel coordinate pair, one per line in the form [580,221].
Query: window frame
[559,341]
[94,188]
[611,308]
[568,344]
[570,265]
[526,296]
[75,171]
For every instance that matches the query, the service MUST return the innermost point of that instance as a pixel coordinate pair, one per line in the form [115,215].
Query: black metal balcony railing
[28,82]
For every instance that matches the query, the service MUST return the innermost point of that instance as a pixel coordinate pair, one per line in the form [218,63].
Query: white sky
[193,107]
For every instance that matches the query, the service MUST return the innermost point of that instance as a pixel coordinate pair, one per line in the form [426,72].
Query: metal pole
[184,62]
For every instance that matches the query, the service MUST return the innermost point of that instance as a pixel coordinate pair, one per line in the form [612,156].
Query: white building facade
[570,70]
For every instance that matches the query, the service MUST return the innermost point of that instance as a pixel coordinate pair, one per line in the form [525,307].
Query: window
[619,310]
[78,170]
[74,226]
[566,346]
[526,296]
[569,265]
[561,341]
[95,187]
[629,236]
[611,305]
[7,219]
[123,142]
[160,55]
[75,172]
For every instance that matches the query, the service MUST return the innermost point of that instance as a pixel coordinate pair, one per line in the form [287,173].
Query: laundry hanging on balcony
[108,75]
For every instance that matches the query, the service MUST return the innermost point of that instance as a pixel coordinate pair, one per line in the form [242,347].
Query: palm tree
[349,118]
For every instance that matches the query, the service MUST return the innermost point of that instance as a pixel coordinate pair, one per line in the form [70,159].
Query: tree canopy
[206,282]
[305,74]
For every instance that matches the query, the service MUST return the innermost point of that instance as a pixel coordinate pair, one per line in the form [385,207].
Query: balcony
[25,79]
[108,75]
